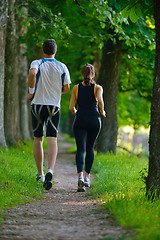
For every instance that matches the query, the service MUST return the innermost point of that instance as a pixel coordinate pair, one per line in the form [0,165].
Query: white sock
[50,171]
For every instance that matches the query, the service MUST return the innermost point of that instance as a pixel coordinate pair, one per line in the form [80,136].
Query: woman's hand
[102,113]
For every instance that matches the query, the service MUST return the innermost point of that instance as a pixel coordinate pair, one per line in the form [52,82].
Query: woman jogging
[88,96]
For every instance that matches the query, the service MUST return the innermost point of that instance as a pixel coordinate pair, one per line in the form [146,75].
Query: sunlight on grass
[119,182]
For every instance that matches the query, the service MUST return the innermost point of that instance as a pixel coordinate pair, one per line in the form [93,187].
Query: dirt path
[63,214]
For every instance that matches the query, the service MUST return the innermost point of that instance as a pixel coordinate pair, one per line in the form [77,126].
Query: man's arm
[66,88]
[31,82]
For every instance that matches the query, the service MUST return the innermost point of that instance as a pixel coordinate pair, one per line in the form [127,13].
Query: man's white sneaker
[48,181]
[40,178]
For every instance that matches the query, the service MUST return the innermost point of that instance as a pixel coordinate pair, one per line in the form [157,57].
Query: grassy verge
[119,184]
[17,177]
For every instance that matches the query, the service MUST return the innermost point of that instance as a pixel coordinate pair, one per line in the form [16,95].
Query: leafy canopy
[82,27]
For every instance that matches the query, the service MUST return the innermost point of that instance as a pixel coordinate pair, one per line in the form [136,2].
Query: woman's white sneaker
[81,187]
[86,182]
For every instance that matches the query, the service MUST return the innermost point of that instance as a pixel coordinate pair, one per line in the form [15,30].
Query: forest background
[117,37]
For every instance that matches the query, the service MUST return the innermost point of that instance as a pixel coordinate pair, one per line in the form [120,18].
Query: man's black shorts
[45,116]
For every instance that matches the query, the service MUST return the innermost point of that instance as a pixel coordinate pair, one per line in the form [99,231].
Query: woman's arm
[73,100]
[99,97]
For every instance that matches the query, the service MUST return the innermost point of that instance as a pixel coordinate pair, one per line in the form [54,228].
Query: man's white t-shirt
[50,78]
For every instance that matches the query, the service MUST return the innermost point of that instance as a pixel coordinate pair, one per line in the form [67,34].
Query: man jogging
[48,79]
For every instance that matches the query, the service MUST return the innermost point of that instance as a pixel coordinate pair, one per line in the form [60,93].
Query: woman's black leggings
[86,130]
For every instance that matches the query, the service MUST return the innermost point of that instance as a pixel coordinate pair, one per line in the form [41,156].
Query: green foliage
[133,110]
[120,184]
[135,87]
[82,27]
[18,176]
[132,11]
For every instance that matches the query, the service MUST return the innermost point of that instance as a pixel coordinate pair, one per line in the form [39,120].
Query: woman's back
[86,101]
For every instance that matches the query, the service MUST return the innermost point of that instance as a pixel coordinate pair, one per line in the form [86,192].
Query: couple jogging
[48,79]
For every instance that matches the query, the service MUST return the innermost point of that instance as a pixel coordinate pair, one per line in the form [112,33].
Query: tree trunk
[23,106]
[3,17]
[153,178]
[11,115]
[23,79]
[108,78]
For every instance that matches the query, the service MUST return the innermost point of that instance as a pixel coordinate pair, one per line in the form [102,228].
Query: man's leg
[38,154]
[52,152]
[52,124]
[52,155]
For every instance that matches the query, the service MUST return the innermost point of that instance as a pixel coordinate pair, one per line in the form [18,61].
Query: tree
[108,78]
[23,76]
[153,178]
[119,39]
[3,20]
[11,114]
[82,40]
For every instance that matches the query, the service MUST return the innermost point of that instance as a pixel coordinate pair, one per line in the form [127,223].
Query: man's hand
[30,96]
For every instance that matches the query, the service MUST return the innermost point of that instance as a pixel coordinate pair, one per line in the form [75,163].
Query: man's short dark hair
[49,46]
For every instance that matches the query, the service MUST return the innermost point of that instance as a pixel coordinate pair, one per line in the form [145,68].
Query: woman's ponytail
[87,70]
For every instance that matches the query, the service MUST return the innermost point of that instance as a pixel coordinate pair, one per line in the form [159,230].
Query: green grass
[17,177]
[119,183]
